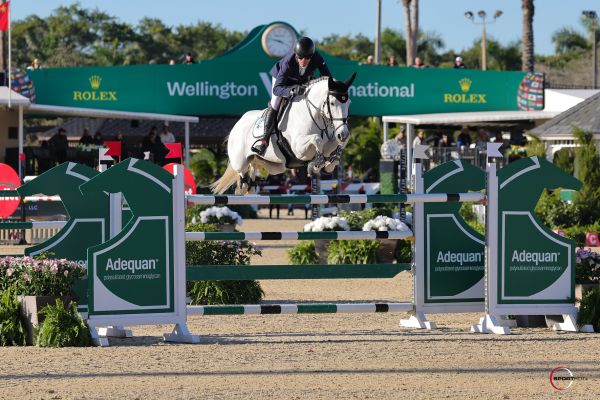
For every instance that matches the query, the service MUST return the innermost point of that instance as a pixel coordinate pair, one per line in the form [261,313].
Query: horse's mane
[318,80]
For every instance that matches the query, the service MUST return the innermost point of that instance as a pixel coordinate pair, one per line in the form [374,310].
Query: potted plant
[222,216]
[38,282]
[325,224]
[387,247]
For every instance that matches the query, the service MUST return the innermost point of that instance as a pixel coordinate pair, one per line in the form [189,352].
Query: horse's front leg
[318,162]
[333,160]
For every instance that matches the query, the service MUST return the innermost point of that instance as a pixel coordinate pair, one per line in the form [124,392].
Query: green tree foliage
[499,57]
[362,151]
[565,159]
[77,36]
[587,199]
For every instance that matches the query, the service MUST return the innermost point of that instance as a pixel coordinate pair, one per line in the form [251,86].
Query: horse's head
[336,107]
[329,98]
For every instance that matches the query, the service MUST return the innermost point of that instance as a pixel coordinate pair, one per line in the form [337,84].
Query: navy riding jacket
[287,73]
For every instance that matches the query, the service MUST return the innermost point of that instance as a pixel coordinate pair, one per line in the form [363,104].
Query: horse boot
[260,146]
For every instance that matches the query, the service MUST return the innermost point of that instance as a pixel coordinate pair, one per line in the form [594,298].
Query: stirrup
[259,147]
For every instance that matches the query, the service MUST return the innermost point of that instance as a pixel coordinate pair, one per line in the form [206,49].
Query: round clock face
[278,40]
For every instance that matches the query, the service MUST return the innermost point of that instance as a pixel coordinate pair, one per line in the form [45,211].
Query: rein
[327,119]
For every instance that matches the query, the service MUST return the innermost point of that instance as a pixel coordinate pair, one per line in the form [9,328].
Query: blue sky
[320,18]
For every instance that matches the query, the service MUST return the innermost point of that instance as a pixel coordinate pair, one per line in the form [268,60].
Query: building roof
[469,117]
[15,98]
[585,115]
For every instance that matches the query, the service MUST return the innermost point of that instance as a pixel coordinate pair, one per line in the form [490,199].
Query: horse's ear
[349,81]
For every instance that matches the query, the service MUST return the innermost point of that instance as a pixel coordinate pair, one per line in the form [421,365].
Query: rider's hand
[296,90]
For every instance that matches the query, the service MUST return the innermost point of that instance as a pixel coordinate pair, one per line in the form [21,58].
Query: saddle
[284,146]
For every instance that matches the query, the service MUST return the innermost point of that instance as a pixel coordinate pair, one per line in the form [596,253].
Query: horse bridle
[328,120]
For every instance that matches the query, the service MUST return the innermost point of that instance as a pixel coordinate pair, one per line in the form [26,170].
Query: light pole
[482,14]
[593,19]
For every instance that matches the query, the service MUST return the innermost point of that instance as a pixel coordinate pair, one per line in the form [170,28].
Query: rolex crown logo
[465,84]
[95,81]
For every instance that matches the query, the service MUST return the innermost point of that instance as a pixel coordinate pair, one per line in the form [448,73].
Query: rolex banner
[222,87]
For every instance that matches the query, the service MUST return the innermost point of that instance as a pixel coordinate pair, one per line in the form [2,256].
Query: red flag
[174,150]
[114,148]
[4,10]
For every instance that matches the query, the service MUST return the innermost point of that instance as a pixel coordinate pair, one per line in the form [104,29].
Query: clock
[278,40]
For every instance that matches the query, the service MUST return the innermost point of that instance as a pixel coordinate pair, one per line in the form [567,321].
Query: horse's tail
[226,181]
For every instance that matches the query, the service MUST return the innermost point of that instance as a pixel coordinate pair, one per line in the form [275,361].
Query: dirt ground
[361,356]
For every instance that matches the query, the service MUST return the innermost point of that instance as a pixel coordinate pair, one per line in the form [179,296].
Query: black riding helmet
[304,47]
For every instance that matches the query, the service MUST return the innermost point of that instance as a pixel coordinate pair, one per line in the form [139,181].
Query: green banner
[239,81]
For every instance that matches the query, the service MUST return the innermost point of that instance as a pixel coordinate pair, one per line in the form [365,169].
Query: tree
[411,21]
[567,40]
[527,54]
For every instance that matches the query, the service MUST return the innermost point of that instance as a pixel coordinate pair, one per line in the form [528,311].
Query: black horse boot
[260,146]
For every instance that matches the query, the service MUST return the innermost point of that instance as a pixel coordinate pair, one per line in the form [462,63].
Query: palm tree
[527,54]
[567,40]
[411,20]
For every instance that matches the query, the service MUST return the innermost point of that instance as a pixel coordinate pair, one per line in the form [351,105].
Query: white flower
[327,224]
[383,223]
[221,215]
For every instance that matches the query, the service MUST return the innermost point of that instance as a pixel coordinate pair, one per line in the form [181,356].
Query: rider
[292,71]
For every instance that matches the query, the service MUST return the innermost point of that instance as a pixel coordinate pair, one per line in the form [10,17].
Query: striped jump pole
[309,308]
[33,225]
[335,199]
[335,235]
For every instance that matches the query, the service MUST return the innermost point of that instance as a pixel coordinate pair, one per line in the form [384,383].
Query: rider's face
[303,62]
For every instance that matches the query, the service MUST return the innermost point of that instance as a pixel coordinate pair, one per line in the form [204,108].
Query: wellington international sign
[239,81]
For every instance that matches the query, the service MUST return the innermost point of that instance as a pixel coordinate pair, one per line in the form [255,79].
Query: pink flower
[66,272]
[9,272]
[27,277]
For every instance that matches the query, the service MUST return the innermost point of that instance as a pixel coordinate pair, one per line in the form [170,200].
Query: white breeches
[275,100]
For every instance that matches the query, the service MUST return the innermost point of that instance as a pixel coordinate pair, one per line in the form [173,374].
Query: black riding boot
[260,146]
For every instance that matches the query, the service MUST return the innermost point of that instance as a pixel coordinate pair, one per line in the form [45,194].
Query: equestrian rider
[292,71]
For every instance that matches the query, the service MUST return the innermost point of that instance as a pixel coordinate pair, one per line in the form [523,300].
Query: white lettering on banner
[130,265]
[460,258]
[376,90]
[525,256]
[206,89]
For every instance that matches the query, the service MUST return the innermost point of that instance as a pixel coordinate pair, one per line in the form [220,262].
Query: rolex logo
[95,94]
[465,84]
[95,81]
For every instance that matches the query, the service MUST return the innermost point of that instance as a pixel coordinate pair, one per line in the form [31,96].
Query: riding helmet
[305,47]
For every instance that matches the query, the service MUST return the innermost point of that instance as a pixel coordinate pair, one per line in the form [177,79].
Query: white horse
[315,126]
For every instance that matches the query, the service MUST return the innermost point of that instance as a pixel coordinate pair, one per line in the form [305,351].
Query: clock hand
[280,41]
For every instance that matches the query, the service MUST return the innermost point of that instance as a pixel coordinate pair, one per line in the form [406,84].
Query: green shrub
[212,252]
[245,211]
[589,311]
[466,211]
[12,331]
[565,160]
[303,253]
[404,251]
[554,212]
[352,252]
[62,327]
[577,232]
